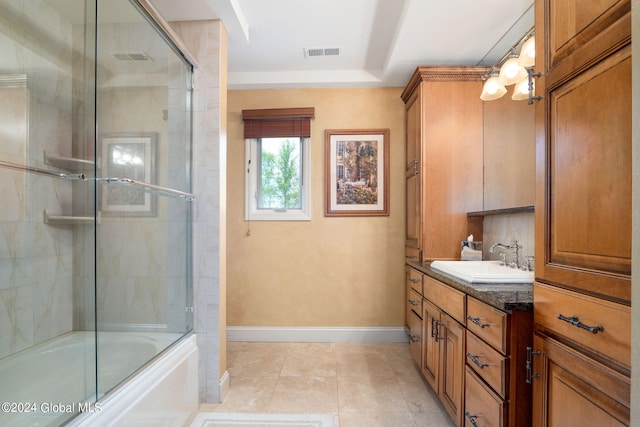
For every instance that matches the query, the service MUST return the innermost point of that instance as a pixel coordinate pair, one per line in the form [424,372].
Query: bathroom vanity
[470,342]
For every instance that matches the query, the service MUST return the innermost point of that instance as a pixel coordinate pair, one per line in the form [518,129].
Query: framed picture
[130,156]
[357,172]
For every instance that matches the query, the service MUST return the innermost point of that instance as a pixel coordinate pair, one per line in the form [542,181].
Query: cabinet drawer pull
[474,359]
[414,280]
[414,338]
[476,320]
[413,302]
[471,418]
[576,322]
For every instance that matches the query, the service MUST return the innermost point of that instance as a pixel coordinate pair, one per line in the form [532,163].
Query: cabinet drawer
[487,363]
[482,406]
[450,300]
[600,325]
[411,254]
[414,302]
[488,323]
[415,337]
[414,279]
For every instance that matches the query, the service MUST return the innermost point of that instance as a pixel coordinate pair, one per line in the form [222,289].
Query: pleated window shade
[278,122]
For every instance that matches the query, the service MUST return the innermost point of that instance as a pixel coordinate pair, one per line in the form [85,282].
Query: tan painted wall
[328,271]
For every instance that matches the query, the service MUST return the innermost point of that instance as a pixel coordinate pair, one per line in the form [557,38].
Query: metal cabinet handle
[476,361]
[476,320]
[471,418]
[414,280]
[575,321]
[529,365]
[413,302]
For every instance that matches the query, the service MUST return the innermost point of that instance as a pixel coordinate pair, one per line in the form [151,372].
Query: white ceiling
[381,41]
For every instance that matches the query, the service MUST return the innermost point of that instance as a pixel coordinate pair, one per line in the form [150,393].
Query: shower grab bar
[23,168]
[149,187]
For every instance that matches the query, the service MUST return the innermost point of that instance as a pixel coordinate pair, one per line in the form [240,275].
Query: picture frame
[129,156]
[357,172]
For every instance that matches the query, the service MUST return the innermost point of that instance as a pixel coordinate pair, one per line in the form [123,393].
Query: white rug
[215,419]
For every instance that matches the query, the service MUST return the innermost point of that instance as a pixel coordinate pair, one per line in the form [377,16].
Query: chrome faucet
[516,252]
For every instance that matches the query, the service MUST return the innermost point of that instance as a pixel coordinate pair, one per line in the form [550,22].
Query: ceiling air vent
[321,51]
[132,56]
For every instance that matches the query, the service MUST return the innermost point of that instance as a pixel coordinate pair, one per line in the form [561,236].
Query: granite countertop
[503,296]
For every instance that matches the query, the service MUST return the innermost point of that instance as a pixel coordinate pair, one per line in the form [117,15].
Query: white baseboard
[315,334]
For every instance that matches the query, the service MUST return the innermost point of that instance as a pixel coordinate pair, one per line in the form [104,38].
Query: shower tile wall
[36,264]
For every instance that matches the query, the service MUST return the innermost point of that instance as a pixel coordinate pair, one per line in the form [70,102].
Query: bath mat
[215,419]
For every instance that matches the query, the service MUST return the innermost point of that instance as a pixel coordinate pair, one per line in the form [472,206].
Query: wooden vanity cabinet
[583,213]
[444,128]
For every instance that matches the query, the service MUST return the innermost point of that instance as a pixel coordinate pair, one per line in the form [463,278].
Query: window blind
[278,122]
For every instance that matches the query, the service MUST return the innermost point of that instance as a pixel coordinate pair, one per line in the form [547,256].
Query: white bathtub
[52,382]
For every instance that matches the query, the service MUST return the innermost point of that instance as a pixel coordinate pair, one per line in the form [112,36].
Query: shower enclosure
[95,213]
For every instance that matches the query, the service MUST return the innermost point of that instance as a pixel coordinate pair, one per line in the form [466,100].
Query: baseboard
[315,334]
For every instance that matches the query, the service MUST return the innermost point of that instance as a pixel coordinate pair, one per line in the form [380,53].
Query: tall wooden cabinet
[443,159]
[582,295]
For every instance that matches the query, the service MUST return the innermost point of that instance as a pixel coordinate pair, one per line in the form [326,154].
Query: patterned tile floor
[366,385]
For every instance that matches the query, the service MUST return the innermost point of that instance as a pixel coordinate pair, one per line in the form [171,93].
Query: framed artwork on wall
[124,157]
[357,172]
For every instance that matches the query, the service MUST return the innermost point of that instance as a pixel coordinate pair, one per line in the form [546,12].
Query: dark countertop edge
[505,211]
[506,298]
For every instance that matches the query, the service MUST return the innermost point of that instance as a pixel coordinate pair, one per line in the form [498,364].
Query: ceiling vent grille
[132,56]
[321,51]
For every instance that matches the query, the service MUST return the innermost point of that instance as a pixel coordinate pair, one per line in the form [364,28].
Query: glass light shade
[521,90]
[511,72]
[527,56]
[492,89]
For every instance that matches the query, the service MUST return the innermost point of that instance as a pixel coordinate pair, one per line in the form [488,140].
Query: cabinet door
[430,349]
[451,339]
[583,143]
[571,389]
[412,174]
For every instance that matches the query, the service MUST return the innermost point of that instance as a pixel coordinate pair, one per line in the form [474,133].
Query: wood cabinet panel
[415,337]
[490,365]
[571,389]
[613,341]
[488,323]
[452,360]
[430,367]
[443,157]
[583,147]
[446,298]
[572,24]
[482,407]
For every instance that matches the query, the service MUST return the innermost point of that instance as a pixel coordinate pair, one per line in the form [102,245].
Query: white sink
[483,272]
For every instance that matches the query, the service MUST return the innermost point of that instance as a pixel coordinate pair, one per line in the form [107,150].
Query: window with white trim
[277,184]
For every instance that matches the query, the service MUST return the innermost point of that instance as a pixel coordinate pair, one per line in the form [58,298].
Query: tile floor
[366,385]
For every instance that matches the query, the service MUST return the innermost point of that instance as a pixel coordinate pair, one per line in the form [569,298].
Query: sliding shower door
[143,267]
[47,216]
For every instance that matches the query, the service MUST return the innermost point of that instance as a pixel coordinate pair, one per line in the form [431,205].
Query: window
[277,163]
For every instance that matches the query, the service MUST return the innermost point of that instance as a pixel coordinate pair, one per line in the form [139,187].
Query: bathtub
[52,382]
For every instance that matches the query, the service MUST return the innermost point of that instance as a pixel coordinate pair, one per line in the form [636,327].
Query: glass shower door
[143,259]
[47,339]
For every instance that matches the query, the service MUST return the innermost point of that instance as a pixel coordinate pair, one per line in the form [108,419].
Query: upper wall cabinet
[444,158]
[509,154]
[583,140]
